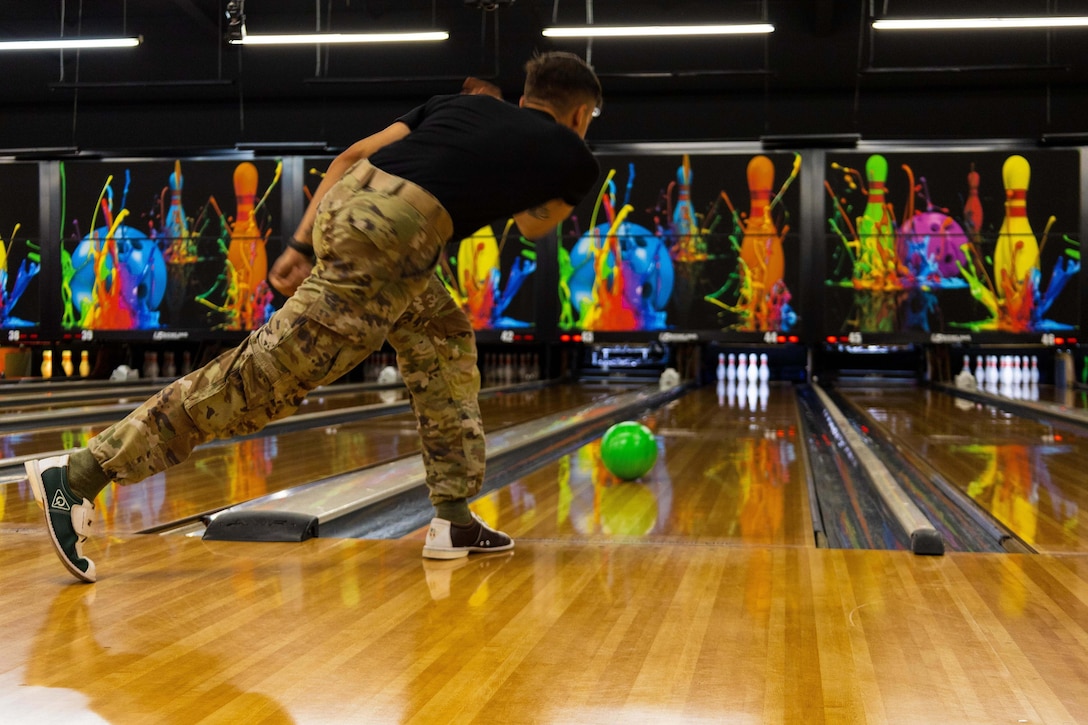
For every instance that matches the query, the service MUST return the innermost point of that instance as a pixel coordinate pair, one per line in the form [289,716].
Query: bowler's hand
[289,271]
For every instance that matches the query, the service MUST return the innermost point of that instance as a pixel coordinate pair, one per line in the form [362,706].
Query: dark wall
[822,72]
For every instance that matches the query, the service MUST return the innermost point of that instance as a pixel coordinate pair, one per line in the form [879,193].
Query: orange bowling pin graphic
[761,248]
[246,252]
[1017,250]
[972,208]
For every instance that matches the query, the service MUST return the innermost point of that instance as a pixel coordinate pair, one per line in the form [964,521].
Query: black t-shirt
[485,159]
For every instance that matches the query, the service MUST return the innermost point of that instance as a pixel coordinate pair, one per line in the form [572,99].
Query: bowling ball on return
[628,450]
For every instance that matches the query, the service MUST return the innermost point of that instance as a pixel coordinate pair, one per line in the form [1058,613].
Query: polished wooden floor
[693,596]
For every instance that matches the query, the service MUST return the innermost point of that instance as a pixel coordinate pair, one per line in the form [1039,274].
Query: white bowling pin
[764,368]
[731,368]
[721,367]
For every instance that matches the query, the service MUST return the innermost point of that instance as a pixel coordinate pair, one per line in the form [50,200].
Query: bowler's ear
[479,87]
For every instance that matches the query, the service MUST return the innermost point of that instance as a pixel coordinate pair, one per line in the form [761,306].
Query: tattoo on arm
[539,212]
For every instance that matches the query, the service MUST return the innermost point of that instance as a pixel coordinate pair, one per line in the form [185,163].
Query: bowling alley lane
[726,472]
[60,437]
[1027,474]
[221,474]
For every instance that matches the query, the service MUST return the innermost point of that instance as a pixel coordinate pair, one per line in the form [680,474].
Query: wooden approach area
[698,597]
[347,631]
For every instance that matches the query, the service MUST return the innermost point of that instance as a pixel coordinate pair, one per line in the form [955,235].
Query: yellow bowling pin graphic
[477,260]
[246,251]
[761,248]
[1017,250]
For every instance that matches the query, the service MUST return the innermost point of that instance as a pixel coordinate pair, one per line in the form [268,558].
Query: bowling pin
[980,371]
[169,368]
[176,223]
[972,208]
[66,363]
[1017,251]
[186,362]
[764,368]
[761,246]
[875,236]
[684,220]
[1034,369]
[966,364]
[721,367]
[753,368]
[247,251]
[151,364]
[731,369]
[84,364]
[47,364]
[742,368]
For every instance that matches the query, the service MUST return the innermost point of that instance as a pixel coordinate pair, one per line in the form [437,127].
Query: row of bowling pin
[745,395]
[1025,390]
[67,366]
[508,368]
[169,367]
[1003,369]
[743,368]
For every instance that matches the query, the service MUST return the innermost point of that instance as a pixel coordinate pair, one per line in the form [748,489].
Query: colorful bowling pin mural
[136,255]
[928,268]
[661,262]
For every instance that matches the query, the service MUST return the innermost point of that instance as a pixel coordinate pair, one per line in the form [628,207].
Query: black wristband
[304,249]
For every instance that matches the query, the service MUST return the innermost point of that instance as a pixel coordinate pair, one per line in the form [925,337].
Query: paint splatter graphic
[12,286]
[120,275]
[634,268]
[474,276]
[903,266]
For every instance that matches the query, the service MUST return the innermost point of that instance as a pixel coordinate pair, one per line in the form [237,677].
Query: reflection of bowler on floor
[378,221]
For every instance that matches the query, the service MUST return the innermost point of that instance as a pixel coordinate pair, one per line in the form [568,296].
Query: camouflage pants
[377,241]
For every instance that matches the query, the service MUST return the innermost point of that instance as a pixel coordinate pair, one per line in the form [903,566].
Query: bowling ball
[628,450]
[388,375]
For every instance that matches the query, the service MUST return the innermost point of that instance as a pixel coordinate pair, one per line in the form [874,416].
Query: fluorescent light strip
[339,38]
[636,31]
[70,43]
[980,23]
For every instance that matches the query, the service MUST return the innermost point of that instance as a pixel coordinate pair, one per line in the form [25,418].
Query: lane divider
[924,538]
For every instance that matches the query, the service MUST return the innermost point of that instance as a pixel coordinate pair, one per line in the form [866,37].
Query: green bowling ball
[628,450]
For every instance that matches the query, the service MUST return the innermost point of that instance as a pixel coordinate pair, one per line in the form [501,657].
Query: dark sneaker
[69,519]
[447,540]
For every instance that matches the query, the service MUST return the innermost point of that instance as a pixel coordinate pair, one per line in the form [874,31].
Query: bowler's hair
[562,80]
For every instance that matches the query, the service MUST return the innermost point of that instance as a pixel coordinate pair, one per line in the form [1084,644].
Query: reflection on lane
[228,472]
[1024,473]
[721,474]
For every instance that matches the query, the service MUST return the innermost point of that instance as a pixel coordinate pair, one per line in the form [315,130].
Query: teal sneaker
[69,519]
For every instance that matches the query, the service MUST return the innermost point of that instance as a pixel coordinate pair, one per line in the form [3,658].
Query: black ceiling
[821,54]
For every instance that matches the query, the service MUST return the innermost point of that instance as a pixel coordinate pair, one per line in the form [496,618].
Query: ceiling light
[70,43]
[636,31]
[980,23]
[339,38]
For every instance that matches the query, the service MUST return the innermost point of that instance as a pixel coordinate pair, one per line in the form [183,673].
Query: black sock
[456,511]
[85,477]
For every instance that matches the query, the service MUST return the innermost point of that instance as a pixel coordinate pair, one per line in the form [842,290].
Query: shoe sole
[462,551]
[37,486]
